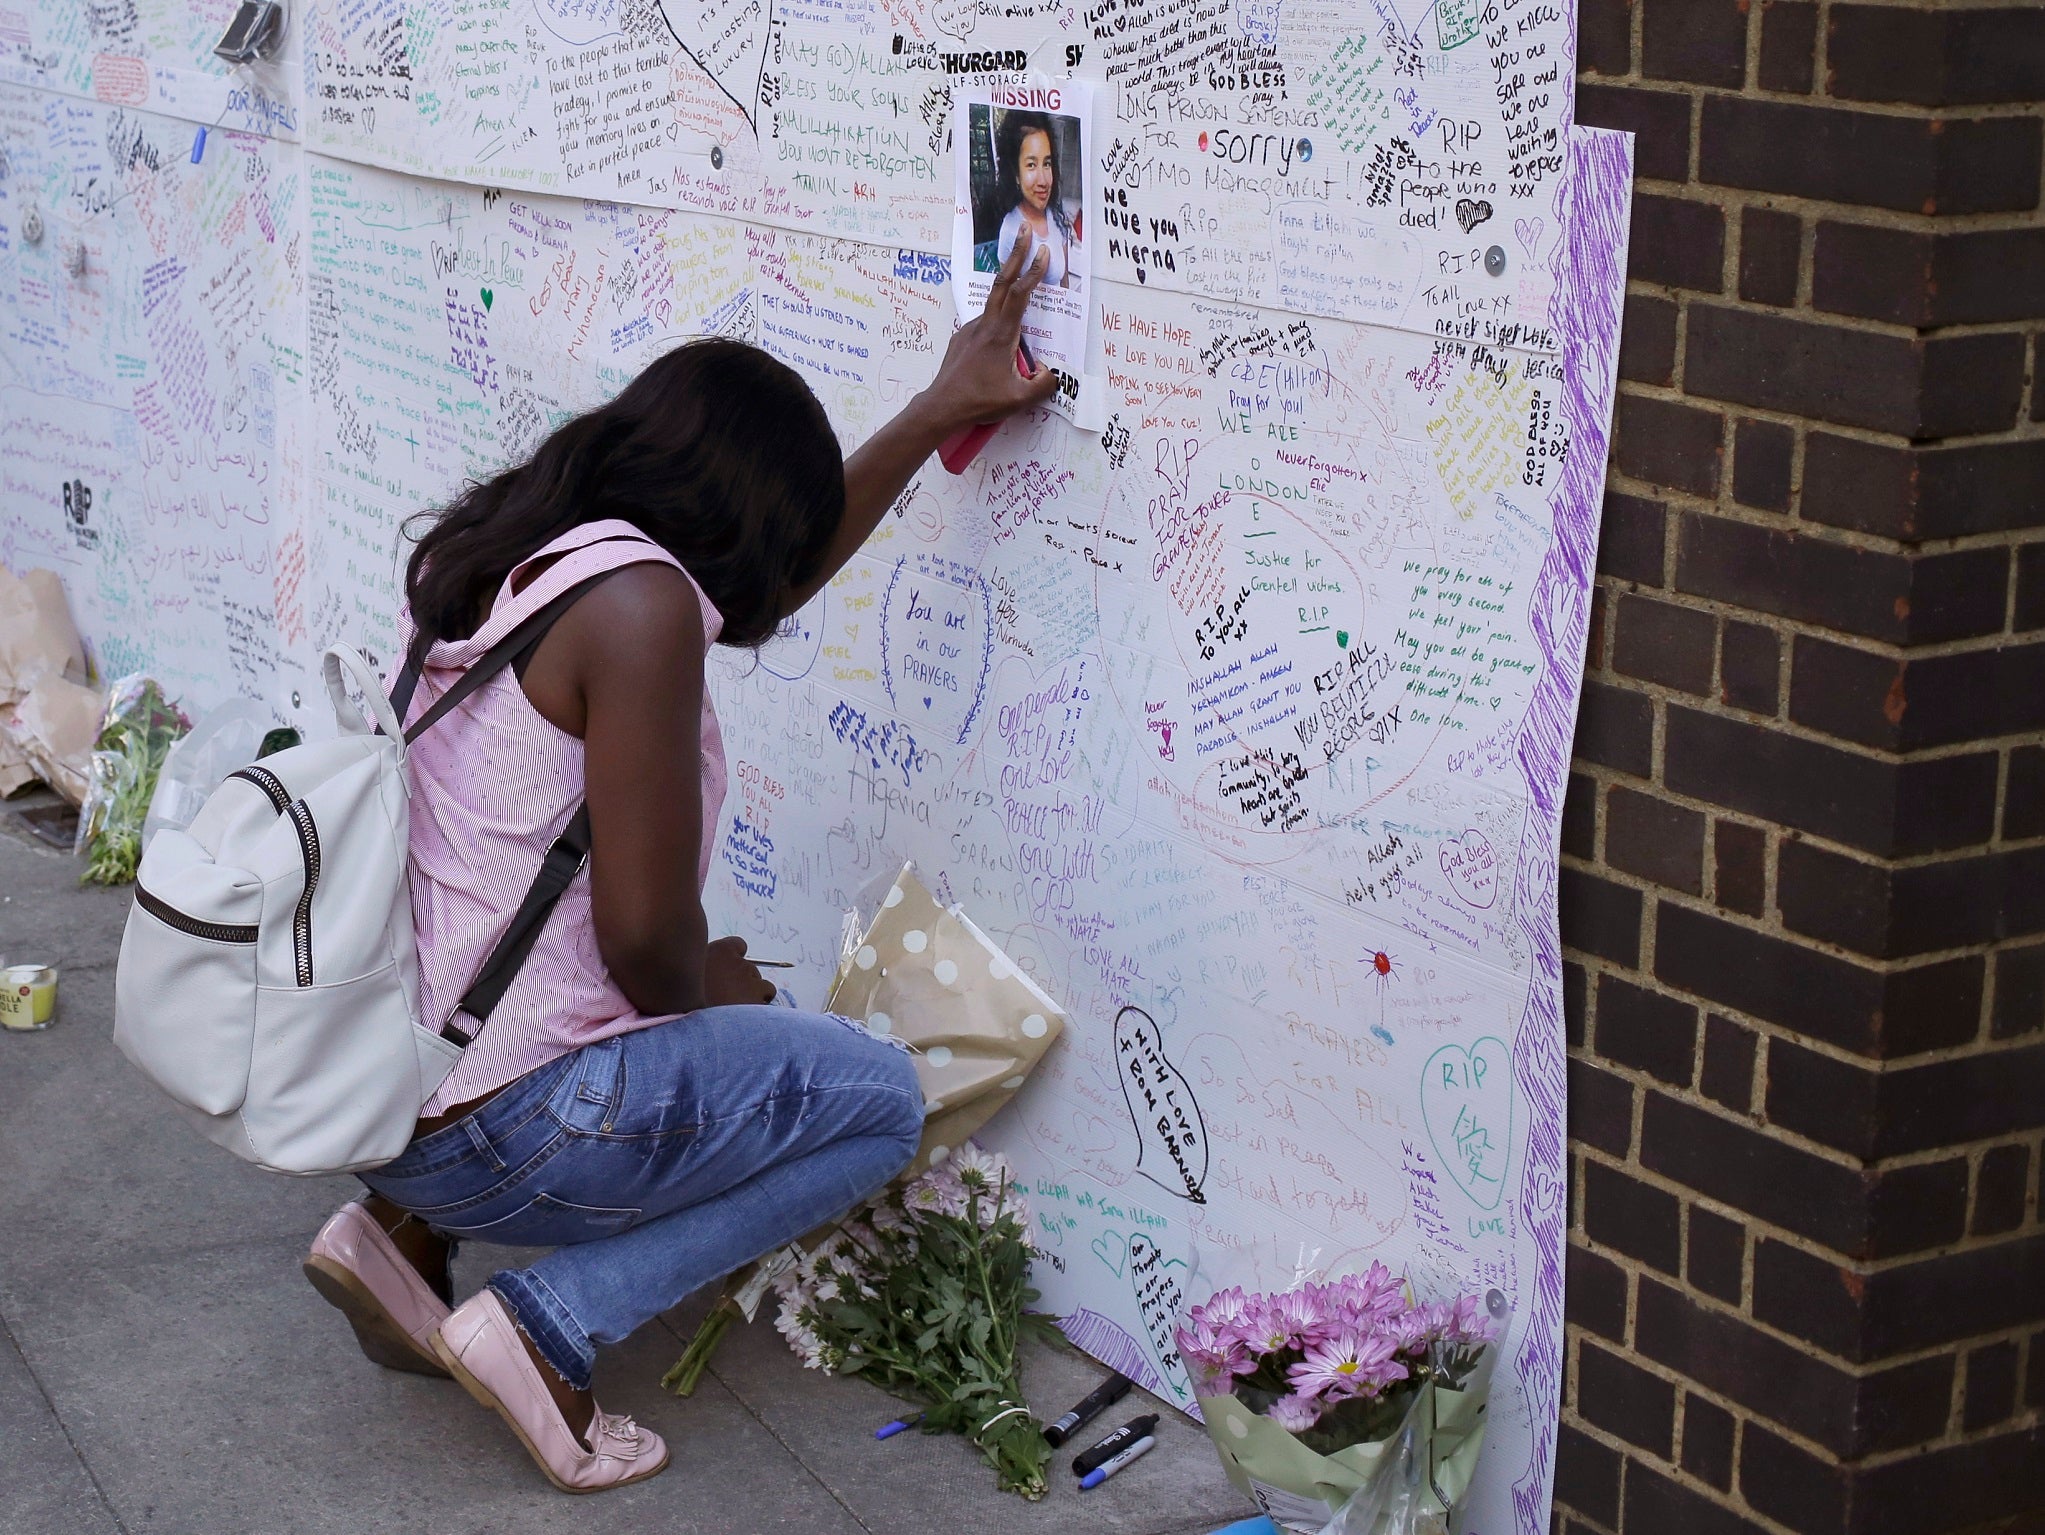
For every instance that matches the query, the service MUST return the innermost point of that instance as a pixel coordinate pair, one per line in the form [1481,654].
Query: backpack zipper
[308,850]
[269,783]
[301,920]
[170,916]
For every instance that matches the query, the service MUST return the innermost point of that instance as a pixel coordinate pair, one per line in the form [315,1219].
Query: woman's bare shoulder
[645,614]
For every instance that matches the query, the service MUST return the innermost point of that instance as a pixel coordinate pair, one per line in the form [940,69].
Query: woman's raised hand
[980,378]
[978,381]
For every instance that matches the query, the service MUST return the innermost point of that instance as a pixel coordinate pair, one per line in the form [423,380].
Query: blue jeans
[659,1161]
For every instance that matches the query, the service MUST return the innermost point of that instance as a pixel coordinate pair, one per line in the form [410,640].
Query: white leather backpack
[268,977]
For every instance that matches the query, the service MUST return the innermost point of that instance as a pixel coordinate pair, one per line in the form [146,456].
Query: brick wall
[1803,888]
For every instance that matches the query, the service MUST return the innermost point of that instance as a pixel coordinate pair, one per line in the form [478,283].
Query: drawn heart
[1543,1192]
[1466,1102]
[1342,638]
[1470,865]
[728,40]
[1470,212]
[369,122]
[1171,1134]
[1160,1297]
[1528,233]
[935,605]
[1112,1249]
[956,18]
[488,299]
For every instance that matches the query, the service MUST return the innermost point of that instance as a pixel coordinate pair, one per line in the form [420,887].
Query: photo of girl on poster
[1028,190]
[1022,179]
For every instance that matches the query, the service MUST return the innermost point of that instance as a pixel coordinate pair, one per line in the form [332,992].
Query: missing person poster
[1022,178]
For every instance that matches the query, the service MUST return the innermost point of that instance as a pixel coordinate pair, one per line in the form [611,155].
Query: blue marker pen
[1108,1468]
[198,146]
[899,1426]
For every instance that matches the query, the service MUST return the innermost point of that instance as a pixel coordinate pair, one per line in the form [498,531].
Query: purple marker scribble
[1591,207]
[1092,1333]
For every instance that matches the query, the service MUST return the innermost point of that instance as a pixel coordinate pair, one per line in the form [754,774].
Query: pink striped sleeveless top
[492,785]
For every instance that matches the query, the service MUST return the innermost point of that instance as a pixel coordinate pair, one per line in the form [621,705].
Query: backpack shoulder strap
[408,676]
[525,637]
[564,859]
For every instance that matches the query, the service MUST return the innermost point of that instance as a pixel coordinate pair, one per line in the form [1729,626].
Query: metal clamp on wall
[257,28]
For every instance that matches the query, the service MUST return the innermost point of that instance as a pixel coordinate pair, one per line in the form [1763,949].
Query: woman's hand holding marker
[730,979]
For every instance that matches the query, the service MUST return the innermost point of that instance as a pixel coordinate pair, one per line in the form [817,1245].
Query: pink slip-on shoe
[394,1312]
[481,1345]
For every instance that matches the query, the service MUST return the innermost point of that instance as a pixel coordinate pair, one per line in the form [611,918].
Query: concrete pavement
[165,1367]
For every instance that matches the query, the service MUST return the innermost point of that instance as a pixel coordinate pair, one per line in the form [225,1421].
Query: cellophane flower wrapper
[1364,1421]
[1427,1466]
[136,733]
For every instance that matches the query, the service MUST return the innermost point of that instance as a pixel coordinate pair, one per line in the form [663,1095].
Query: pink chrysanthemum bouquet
[1307,1389]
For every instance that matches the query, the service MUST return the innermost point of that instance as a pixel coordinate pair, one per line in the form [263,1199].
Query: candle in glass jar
[28,996]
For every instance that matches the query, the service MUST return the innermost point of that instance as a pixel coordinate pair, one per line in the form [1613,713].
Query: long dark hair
[1008,143]
[717,452]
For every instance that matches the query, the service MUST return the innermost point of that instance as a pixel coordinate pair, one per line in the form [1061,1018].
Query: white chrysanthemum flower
[1017,1209]
[985,1171]
[790,1325]
[802,1338]
[937,1192]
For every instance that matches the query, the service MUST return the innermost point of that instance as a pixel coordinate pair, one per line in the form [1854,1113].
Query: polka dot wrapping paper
[976,1025]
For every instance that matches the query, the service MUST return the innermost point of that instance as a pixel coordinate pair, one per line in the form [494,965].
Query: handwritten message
[1241,723]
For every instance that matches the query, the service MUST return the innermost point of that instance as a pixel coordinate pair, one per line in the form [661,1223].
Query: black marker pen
[1103,1396]
[1089,1461]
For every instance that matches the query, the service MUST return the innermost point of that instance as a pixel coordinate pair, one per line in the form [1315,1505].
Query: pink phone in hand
[962,447]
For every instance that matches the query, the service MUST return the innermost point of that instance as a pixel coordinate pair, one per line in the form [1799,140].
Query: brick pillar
[1803,887]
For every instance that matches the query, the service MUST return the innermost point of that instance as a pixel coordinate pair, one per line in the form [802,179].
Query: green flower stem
[688,1370]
